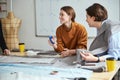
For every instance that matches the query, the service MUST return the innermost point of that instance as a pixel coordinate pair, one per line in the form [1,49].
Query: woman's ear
[70,17]
[93,18]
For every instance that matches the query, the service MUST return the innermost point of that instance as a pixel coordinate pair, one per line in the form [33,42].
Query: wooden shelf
[3,10]
[3,2]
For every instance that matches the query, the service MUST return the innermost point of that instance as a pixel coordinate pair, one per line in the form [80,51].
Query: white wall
[24,10]
[47,13]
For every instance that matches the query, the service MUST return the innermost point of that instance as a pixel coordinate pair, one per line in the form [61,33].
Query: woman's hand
[51,40]
[53,43]
[65,53]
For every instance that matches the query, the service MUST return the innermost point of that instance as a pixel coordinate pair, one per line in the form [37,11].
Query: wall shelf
[3,8]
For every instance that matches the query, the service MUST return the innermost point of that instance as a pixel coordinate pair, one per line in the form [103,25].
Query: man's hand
[6,52]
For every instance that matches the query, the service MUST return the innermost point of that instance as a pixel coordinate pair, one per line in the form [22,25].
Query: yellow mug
[22,47]
[111,64]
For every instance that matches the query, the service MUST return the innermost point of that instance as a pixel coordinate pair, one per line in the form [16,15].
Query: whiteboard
[47,14]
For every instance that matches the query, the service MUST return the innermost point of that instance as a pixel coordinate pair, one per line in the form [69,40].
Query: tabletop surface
[64,63]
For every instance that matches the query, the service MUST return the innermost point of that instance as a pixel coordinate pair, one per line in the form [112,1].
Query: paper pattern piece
[11,59]
[43,71]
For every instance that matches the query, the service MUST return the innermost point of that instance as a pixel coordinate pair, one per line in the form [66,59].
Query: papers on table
[23,70]
[11,66]
[37,54]
[11,59]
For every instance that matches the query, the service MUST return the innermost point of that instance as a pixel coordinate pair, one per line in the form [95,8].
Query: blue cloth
[114,46]
[108,38]
[101,54]
[45,71]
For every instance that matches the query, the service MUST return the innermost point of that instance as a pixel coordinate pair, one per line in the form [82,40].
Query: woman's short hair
[70,11]
[98,11]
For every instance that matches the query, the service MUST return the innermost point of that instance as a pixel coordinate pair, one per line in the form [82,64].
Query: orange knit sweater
[74,38]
